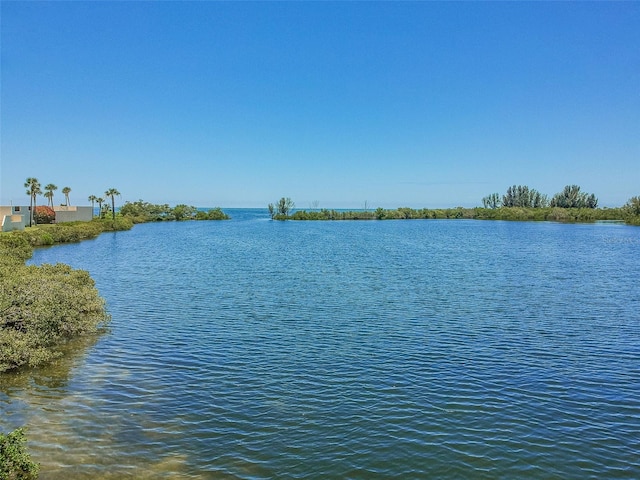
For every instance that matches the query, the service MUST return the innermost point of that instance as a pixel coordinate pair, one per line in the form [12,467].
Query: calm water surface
[409,349]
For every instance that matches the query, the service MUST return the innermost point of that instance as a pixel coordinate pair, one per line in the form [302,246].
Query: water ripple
[254,349]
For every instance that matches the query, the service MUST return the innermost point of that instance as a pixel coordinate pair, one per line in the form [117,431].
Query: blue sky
[235,104]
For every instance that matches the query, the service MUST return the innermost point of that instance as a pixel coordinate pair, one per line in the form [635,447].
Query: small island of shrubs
[519,203]
[142,212]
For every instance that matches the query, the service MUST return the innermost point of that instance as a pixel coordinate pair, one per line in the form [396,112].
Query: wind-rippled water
[378,349]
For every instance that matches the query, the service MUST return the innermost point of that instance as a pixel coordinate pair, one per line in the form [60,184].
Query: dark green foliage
[33,190]
[525,197]
[285,206]
[15,462]
[572,197]
[633,206]
[632,210]
[537,211]
[112,192]
[492,201]
[142,212]
[502,213]
[213,214]
[282,209]
[522,196]
[184,212]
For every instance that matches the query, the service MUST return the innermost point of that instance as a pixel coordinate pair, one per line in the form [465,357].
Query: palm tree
[66,191]
[112,192]
[49,196]
[48,192]
[92,199]
[100,201]
[33,190]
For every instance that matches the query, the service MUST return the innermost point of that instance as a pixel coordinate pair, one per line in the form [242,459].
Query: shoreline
[552,214]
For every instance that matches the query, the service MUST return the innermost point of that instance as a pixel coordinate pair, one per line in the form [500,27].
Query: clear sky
[236,104]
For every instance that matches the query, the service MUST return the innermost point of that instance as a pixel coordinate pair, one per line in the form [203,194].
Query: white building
[16,217]
[73,214]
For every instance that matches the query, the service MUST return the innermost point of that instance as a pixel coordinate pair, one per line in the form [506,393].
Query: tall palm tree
[49,196]
[33,190]
[92,199]
[100,201]
[48,192]
[66,191]
[112,192]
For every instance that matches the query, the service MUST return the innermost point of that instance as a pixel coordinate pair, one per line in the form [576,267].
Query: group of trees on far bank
[138,212]
[47,215]
[282,208]
[519,203]
[141,212]
[523,196]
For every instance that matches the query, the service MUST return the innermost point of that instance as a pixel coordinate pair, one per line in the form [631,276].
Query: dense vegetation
[523,196]
[519,203]
[503,213]
[281,209]
[141,212]
[15,462]
[43,307]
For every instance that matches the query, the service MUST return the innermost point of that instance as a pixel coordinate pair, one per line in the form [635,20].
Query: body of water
[361,349]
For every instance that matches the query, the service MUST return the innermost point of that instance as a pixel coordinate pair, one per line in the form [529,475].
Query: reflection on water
[432,349]
[49,380]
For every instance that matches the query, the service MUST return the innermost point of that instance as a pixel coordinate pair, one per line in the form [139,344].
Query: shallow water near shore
[361,349]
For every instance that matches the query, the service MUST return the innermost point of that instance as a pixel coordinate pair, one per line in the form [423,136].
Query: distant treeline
[519,203]
[142,212]
[503,213]
[523,196]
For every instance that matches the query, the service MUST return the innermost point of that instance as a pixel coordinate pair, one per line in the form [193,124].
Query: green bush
[556,214]
[216,214]
[142,212]
[44,307]
[15,462]
[14,248]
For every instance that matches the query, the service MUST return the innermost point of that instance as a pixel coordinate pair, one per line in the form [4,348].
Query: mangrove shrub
[41,308]
[15,462]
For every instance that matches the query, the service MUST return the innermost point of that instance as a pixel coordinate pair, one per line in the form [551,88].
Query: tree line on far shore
[139,211]
[523,196]
[46,214]
[142,212]
[519,203]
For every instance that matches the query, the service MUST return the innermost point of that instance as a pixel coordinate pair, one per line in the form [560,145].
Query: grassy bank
[556,214]
[41,308]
